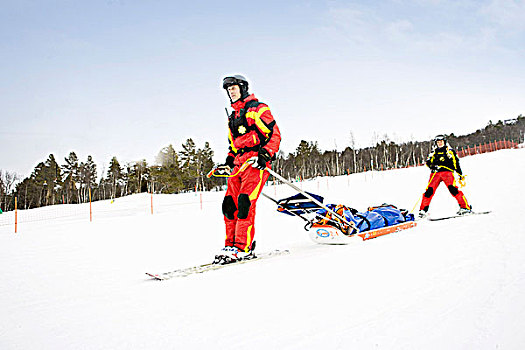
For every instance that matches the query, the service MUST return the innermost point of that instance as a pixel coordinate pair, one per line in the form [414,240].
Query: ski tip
[155,276]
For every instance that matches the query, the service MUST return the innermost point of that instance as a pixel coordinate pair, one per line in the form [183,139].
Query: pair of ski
[459,215]
[211,266]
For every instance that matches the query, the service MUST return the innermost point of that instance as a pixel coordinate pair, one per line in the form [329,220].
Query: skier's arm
[430,161]
[456,163]
[266,125]
[232,151]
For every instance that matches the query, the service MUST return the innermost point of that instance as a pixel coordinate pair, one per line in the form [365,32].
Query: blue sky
[126,78]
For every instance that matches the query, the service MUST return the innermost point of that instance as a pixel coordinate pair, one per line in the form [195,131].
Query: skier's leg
[229,209]
[435,179]
[252,183]
[450,181]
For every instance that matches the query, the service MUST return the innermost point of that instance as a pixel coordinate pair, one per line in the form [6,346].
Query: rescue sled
[337,224]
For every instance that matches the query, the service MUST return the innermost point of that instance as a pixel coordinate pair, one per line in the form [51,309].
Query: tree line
[75,181]
[309,161]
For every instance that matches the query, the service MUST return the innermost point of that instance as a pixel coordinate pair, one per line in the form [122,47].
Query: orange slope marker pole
[16,215]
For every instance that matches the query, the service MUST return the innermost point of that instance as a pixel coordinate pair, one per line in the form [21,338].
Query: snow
[68,283]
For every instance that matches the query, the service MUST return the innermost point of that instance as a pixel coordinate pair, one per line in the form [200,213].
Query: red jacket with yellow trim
[251,127]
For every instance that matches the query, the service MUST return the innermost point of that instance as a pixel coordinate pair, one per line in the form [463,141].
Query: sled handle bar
[279,177]
[308,224]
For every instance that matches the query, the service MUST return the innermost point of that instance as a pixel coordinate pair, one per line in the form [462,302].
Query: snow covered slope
[67,283]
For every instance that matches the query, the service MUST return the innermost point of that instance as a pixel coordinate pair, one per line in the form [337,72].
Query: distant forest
[75,181]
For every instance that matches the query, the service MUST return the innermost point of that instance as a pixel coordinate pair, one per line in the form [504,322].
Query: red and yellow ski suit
[251,127]
[443,161]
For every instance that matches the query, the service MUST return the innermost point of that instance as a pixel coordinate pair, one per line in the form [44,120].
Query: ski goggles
[229,81]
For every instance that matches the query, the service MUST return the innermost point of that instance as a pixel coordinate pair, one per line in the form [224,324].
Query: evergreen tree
[114,175]
[188,155]
[204,164]
[190,165]
[307,157]
[24,190]
[137,176]
[52,177]
[88,179]
[168,157]
[71,177]
[166,178]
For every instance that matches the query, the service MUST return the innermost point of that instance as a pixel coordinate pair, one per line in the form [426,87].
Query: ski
[459,216]
[211,267]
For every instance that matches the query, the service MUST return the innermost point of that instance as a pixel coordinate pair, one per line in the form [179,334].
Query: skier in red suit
[443,161]
[252,133]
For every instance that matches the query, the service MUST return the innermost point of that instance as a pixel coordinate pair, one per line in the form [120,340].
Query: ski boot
[229,255]
[464,211]
[224,256]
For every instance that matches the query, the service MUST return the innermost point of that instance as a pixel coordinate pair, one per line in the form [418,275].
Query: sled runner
[325,234]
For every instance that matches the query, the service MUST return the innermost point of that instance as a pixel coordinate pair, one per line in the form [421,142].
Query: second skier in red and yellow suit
[252,133]
[443,162]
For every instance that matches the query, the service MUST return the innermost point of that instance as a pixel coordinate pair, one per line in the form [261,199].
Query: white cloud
[509,15]
[463,29]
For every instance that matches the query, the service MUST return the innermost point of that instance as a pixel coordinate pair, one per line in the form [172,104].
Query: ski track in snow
[453,284]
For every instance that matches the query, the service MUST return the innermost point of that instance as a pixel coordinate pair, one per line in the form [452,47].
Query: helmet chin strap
[231,101]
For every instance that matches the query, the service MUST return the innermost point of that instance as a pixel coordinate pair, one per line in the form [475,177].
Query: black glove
[227,167]
[223,169]
[229,161]
[263,158]
[434,168]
